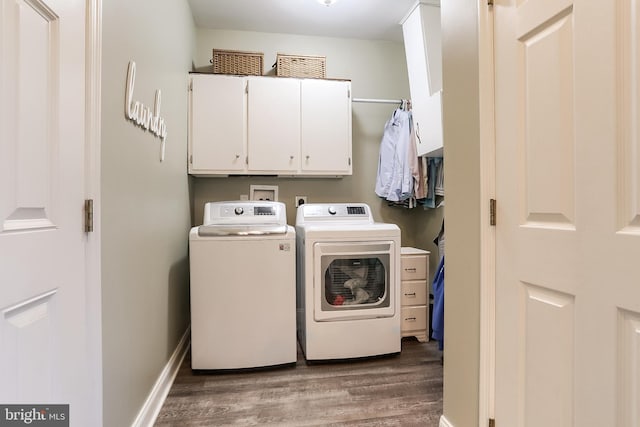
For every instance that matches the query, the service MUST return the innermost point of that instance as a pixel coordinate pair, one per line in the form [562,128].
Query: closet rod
[379,101]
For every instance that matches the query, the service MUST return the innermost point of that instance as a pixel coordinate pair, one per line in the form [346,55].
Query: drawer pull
[412,294]
[410,319]
[410,269]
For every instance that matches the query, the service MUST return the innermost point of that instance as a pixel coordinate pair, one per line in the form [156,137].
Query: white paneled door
[568,196]
[43,320]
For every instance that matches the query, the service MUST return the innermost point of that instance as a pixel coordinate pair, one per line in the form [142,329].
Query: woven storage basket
[237,62]
[300,66]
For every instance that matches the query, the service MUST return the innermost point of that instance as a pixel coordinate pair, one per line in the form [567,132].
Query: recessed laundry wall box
[241,125]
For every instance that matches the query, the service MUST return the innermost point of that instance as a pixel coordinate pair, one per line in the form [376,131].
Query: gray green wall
[461,103]
[145,204]
[377,69]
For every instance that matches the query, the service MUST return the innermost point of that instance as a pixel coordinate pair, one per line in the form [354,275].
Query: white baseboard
[444,422]
[151,408]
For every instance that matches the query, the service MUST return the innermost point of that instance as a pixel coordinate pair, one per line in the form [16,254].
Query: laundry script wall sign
[141,115]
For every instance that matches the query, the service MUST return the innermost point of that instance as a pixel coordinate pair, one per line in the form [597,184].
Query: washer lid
[243,218]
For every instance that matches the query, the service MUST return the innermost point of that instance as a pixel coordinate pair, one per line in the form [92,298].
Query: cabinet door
[326,127]
[422,42]
[273,125]
[427,122]
[217,138]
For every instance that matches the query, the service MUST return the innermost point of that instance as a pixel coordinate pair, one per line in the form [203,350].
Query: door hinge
[492,422]
[492,212]
[490,2]
[88,215]
[191,159]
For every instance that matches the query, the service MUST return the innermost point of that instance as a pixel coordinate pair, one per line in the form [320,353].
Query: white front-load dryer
[242,266]
[348,282]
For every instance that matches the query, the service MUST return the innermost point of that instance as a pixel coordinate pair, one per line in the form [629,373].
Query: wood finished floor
[399,390]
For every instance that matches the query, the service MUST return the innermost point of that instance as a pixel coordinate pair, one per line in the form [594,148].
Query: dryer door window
[361,282]
[353,280]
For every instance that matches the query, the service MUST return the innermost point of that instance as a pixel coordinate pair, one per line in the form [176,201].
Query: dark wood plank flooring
[398,390]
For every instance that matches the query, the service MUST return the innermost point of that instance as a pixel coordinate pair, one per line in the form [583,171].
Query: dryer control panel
[312,212]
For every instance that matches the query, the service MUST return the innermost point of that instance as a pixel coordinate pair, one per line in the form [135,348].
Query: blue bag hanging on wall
[438,305]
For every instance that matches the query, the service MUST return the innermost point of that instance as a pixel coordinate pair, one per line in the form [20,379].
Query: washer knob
[239,210]
[332,210]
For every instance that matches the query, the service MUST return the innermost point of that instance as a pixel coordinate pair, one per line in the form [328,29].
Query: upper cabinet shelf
[423,48]
[240,125]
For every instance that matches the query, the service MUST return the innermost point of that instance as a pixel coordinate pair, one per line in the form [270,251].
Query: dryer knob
[239,211]
[332,210]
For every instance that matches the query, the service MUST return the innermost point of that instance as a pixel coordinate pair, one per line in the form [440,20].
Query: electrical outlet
[301,200]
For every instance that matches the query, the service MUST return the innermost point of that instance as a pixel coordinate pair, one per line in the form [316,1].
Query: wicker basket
[237,62]
[300,66]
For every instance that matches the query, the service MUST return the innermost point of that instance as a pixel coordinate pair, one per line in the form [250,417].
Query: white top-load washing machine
[348,282]
[242,262]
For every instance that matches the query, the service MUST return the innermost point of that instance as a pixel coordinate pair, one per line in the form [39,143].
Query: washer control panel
[244,212]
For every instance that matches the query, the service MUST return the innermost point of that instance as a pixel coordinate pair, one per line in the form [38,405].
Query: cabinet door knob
[237,156]
[291,157]
[308,157]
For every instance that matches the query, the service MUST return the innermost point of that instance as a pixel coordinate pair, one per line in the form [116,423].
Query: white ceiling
[362,19]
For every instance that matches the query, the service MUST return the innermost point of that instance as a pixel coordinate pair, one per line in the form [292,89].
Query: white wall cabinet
[269,126]
[217,116]
[423,49]
[326,127]
[273,126]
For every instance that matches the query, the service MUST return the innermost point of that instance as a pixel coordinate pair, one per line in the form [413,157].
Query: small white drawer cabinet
[415,293]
